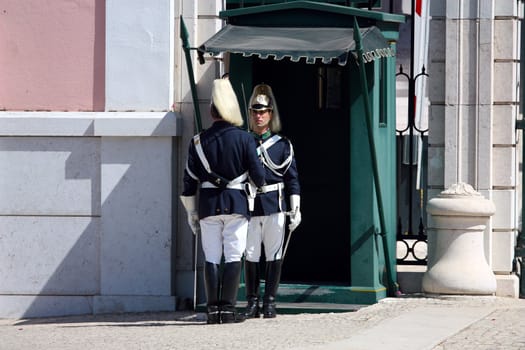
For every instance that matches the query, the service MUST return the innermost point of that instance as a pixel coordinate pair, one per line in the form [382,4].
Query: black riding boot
[211,281]
[273,275]
[251,279]
[230,287]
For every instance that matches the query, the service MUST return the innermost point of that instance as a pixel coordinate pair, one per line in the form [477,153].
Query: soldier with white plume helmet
[221,160]
[267,224]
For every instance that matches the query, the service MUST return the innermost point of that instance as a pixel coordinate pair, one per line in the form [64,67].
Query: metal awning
[311,43]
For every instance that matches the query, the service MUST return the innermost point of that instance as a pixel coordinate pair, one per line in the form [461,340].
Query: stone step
[301,308]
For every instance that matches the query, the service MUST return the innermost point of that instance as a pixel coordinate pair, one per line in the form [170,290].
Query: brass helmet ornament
[263,99]
[225,101]
[261,103]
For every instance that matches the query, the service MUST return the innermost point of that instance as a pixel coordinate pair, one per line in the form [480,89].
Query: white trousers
[268,230]
[224,233]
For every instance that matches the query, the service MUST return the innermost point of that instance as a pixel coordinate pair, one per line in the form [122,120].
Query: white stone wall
[139,39]
[87,199]
[85,212]
[88,207]
[473,89]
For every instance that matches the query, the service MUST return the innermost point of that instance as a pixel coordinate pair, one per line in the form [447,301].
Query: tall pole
[198,127]
[411,115]
[392,287]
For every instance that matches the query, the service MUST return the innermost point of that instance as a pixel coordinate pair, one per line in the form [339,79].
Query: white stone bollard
[456,258]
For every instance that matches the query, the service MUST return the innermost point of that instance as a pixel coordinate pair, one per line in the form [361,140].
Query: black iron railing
[411,244]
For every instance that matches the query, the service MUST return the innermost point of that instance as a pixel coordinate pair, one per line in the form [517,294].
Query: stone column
[456,260]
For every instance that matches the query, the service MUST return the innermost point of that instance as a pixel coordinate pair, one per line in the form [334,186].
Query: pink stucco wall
[52,55]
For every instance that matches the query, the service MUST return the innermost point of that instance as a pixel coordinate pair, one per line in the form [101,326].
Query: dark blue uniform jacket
[268,203]
[230,152]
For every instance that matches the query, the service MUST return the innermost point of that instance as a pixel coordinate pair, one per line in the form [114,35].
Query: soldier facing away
[221,160]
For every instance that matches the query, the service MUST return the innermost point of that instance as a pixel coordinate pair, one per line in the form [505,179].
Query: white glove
[190,204]
[295,217]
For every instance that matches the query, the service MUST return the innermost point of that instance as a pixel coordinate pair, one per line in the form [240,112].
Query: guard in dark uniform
[221,161]
[267,225]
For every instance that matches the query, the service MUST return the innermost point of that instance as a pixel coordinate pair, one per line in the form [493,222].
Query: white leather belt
[269,188]
[207,184]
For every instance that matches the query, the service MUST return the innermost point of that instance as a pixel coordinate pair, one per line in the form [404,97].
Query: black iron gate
[412,155]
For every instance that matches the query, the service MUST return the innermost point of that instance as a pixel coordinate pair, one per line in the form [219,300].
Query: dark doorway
[313,105]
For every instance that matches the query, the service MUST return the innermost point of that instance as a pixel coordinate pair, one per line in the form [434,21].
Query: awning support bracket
[393,287]
[186,47]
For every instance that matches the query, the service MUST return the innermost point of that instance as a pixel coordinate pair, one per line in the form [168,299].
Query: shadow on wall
[88,224]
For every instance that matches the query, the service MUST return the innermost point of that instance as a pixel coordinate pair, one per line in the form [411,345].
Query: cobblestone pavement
[503,327]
